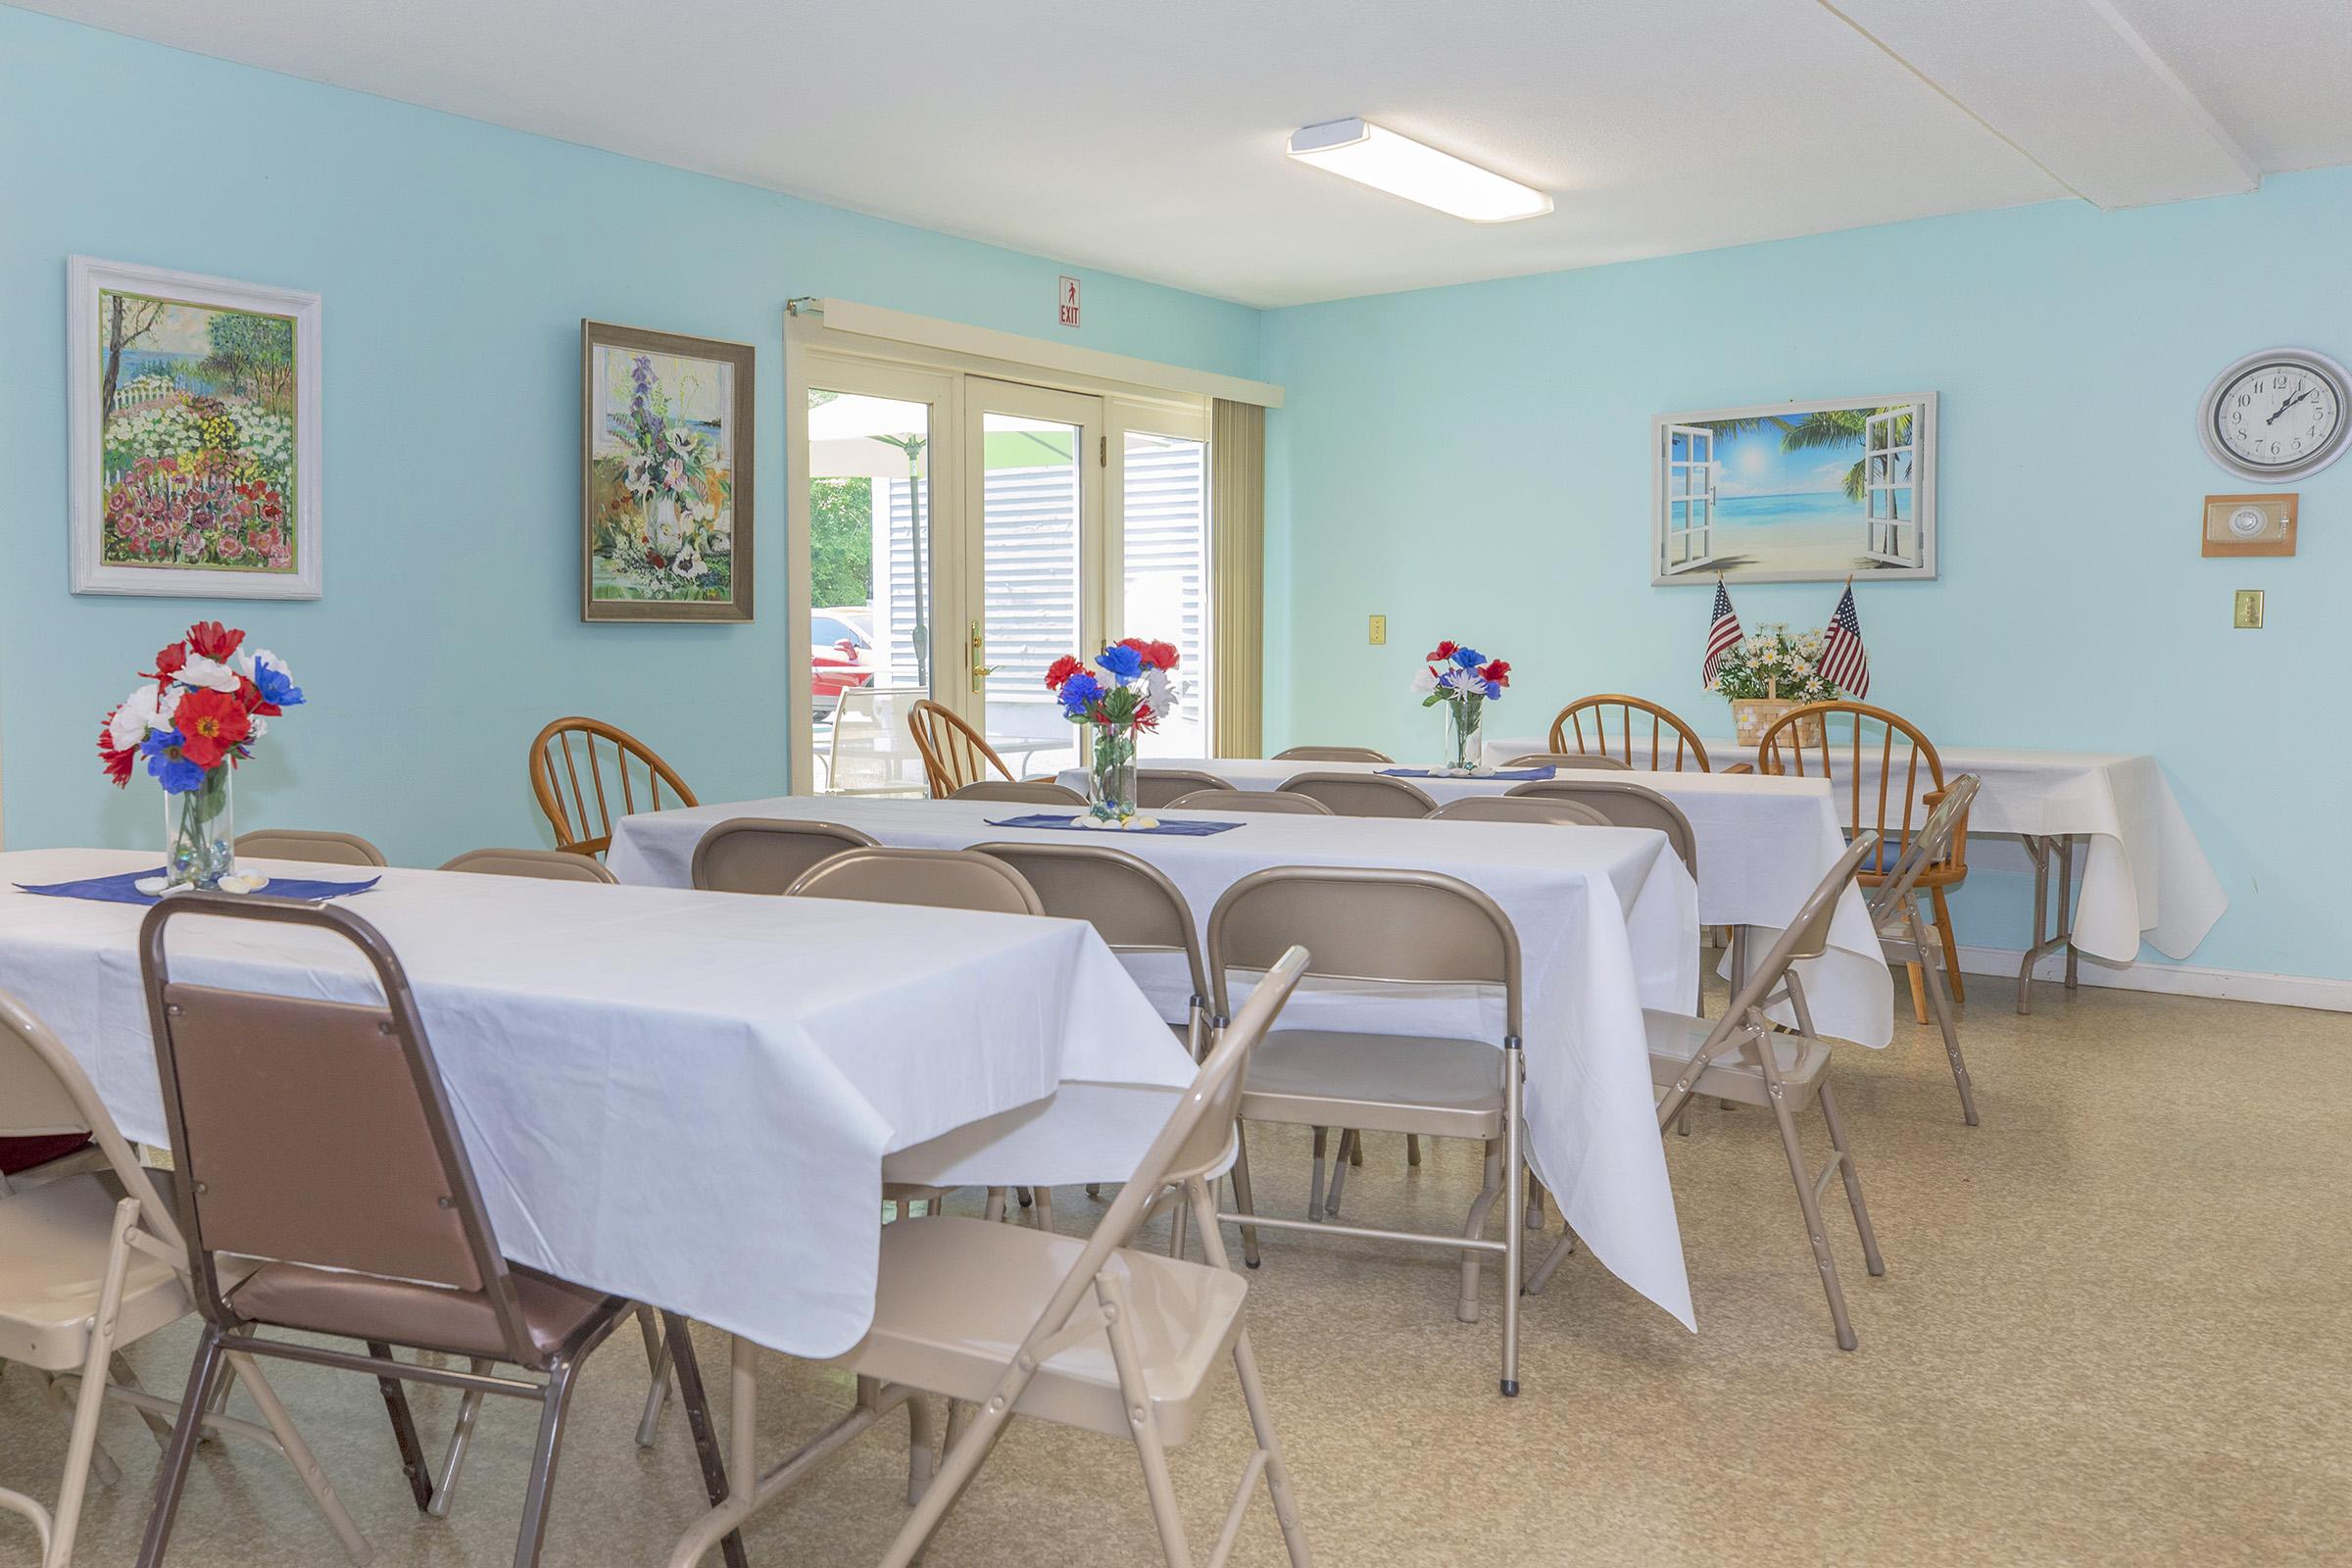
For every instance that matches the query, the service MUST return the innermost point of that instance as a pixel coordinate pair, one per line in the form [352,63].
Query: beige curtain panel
[1237,546]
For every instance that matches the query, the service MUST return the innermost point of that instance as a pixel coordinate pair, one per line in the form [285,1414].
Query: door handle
[979,647]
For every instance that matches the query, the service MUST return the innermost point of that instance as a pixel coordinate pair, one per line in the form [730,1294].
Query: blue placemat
[124,889]
[1182,829]
[1512,775]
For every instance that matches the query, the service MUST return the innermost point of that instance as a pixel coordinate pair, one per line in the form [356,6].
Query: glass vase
[200,832]
[1111,772]
[1463,752]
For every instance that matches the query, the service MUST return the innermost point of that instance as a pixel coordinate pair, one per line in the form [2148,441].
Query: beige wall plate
[2250,525]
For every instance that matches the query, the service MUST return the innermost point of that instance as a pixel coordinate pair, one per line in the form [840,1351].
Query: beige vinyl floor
[2115,1327]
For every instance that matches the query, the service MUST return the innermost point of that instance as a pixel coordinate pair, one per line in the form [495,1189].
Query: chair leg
[91,1399]
[298,1455]
[1158,1486]
[995,1208]
[1243,1202]
[404,1431]
[1535,1202]
[657,1367]
[1041,1213]
[1178,1213]
[1514,1215]
[697,1403]
[554,1401]
[1853,1182]
[1315,1185]
[1951,1035]
[1350,1152]
[470,1409]
[1560,1249]
[126,1378]
[172,1476]
[1951,946]
[1412,1149]
[1815,1231]
[102,1463]
[1253,1398]
[1466,1309]
[1919,995]
[1355,1147]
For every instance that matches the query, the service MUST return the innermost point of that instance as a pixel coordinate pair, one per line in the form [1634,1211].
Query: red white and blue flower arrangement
[1465,680]
[1126,700]
[194,718]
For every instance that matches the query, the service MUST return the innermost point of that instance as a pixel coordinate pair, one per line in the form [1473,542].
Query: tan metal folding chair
[546,865]
[1525,809]
[1907,937]
[301,843]
[1270,803]
[1361,794]
[766,854]
[1745,1058]
[317,1135]
[1408,929]
[84,1273]
[1621,803]
[1564,761]
[1024,792]
[1331,754]
[1009,1321]
[1155,787]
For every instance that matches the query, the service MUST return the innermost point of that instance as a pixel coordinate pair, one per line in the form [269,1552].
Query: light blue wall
[1472,462]
[456,260]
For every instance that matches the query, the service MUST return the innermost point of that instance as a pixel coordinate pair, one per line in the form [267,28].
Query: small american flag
[1842,659]
[1722,634]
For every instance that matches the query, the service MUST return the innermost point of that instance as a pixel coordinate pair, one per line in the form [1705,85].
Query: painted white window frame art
[85,277]
[1674,481]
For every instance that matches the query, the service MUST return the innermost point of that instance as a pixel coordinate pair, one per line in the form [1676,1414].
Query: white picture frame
[1731,496]
[88,348]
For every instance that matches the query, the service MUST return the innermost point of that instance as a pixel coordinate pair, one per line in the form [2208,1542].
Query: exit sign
[1070,302]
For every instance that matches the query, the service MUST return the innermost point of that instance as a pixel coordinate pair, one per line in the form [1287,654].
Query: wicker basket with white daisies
[1768,673]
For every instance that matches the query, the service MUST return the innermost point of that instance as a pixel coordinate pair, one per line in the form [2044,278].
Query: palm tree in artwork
[1824,427]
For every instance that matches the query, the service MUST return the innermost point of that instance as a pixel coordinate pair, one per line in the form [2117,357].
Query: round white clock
[2277,415]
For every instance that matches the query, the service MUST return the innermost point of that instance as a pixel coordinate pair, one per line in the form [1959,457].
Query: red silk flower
[1161,656]
[213,640]
[170,663]
[117,765]
[1498,672]
[1442,653]
[210,723]
[1063,668]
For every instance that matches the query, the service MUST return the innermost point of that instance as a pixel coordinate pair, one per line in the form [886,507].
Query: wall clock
[2277,415]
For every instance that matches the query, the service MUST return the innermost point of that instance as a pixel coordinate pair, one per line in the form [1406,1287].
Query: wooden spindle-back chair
[953,753]
[1589,720]
[567,764]
[1844,742]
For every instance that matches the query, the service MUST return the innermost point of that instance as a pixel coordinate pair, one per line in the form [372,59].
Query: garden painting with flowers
[666,483]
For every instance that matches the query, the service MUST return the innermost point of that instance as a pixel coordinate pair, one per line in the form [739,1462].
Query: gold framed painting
[666,475]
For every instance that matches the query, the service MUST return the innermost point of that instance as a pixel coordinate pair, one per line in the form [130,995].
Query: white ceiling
[1147,138]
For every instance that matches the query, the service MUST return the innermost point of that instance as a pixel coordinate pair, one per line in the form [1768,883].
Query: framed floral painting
[666,482]
[195,429]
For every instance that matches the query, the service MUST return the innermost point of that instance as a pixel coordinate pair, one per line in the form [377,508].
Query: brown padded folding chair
[1331,754]
[317,1135]
[1011,1321]
[1904,936]
[85,1271]
[1270,803]
[544,865]
[304,843]
[765,854]
[1405,928]
[1155,787]
[1020,792]
[1562,762]
[1745,1058]
[1361,794]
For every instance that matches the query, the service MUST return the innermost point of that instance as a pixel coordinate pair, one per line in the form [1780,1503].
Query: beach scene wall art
[665,477]
[195,431]
[1796,492]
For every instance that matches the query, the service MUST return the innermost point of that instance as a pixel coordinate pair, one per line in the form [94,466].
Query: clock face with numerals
[2277,415]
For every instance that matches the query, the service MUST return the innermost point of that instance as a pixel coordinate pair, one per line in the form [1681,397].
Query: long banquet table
[2143,876]
[675,1096]
[1607,923]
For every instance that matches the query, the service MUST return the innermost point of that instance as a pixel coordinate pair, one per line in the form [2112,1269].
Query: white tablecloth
[680,1098]
[1763,844]
[2145,875]
[1607,923]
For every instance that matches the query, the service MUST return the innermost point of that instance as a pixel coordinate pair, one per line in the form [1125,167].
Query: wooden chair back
[569,762]
[1594,723]
[1852,746]
[953,753]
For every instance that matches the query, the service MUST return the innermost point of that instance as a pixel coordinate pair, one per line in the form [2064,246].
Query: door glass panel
[1030,503]
[870,569]
[1165,549]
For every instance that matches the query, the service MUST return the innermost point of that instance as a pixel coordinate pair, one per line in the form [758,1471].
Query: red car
[841,655]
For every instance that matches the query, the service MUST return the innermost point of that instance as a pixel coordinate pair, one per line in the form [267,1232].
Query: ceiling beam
[2072,85]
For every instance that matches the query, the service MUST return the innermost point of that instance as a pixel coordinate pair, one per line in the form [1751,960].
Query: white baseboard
[2172,979]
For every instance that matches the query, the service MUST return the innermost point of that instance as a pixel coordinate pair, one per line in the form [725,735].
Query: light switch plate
[1379,630]
[2246,613]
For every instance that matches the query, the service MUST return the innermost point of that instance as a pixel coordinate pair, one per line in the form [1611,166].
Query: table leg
[2058,923]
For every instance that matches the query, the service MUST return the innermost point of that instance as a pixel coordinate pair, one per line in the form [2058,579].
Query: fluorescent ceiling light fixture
[1375,156]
